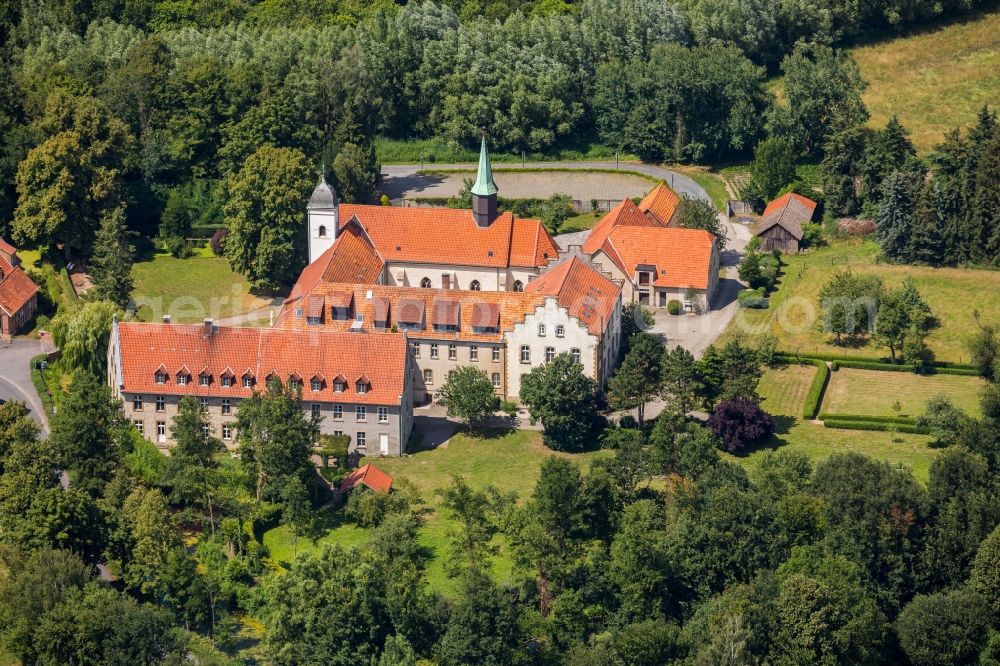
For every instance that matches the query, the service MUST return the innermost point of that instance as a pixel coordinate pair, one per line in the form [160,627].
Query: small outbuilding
[367,475]
[18,294]
[780,227]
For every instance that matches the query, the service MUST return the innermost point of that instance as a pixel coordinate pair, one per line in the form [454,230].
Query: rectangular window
[360,440]
[138,426]
[434,350]
[473,353]
[338,387]
[560,330]
[496,380]
[541,330]
[226,406]
[248,382]
[361,413]
[452,352]
[338,433]
[182,380]
[383,414]
[338,412]
[160,403]
[204,430]
[227,431]
[416,349]
[496,354]
[576,354]
[161,431]
[205,380]
[227,382]
[550,353]
[315,410]
[362,387]
[161,378]
[525,354]
[428,376]
[137,403]
[316,385]
[203,403]
[294,384]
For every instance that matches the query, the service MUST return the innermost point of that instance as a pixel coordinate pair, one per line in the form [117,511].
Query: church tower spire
[484,191]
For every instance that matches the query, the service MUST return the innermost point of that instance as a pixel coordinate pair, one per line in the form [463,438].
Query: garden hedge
[899,420]
[875,426]
[940,366]
[815,395]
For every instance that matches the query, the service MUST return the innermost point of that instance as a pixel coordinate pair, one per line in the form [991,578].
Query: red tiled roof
[351,259]
[790,211]
[414,305]
[368,475]
[682,257]
[146,347]
[625,214]
[6,247]
[16,288]
[450,236]
[661,202]
[584,292]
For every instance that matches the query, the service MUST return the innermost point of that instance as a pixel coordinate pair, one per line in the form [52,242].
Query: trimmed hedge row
[898,420]
[874,426]
[815,395]
[870,359]
[882,367]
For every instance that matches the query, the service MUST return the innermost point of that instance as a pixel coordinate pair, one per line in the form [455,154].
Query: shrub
[509,407]
[368,508]
[815,395]
[674,307]
[834,366]
[628,422]
[218,242]
[740,422]
[752,298]
[384,199]
[898,420]
[177,246]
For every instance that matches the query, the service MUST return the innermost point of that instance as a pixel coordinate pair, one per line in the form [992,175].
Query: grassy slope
[934,80]
[954,295]
[511,462]
[871,392]
[191,289]
[784,390]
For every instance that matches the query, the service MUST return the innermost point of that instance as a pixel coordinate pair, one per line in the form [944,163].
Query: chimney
[166,319]
[209,328]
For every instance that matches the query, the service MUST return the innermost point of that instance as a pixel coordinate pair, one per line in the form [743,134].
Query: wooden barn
[780,226]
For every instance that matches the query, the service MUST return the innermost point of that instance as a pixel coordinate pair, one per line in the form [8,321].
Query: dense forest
[151,105]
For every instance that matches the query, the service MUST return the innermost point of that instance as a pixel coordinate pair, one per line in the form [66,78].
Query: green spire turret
[484,185]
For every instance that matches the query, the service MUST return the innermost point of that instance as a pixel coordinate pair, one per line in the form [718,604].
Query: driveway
[399,179]
[15,375]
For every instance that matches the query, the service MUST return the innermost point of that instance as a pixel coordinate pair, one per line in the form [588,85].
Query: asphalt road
[15,375]
[405,177]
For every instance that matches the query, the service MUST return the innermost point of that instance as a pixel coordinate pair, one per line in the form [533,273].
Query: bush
[218,242]
[752,298]
[177,246]
[628,422]
[898,420]
[368,508]
[509,407]
[674,307]
[740,422]
[815,395]
[944,367]
[834,366]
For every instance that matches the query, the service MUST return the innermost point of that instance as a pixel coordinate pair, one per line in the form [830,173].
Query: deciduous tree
[562,398]
[468,394]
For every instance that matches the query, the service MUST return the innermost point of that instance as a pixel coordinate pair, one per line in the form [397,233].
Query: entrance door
[383,443]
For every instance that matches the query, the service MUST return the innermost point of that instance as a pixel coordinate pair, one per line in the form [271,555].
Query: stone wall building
[361,386]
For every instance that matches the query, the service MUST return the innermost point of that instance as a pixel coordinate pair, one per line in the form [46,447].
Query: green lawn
[580,222]
[190,289]
[509,461]
[784,390]
[954,294]
[871,392]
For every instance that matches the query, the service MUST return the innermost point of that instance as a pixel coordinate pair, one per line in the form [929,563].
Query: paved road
[404,177]
[15,375]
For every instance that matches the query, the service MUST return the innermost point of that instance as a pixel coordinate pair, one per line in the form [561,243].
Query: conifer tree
[111,265]
[894,217]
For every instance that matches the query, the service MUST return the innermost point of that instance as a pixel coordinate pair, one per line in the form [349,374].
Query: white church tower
[323,212]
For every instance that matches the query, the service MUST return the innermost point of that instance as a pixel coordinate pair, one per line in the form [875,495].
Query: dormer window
[161,378]
[294,382]
[339,384]
[205,380]
[248,380]
[316,385]
[362,384]
[227,381]
[362,387]
[182,379]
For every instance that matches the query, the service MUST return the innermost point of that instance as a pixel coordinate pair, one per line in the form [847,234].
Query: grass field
[442,151]
[580,222]
[954,294]
[190,289]
[510,461]
[872,393]
[784,390]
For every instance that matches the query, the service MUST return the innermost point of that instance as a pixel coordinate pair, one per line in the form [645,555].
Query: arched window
[475,285]
[518,285]
[425,283]
[322,231]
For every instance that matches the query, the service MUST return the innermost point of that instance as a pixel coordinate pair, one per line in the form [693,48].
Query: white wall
[526,333]
[322,218]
